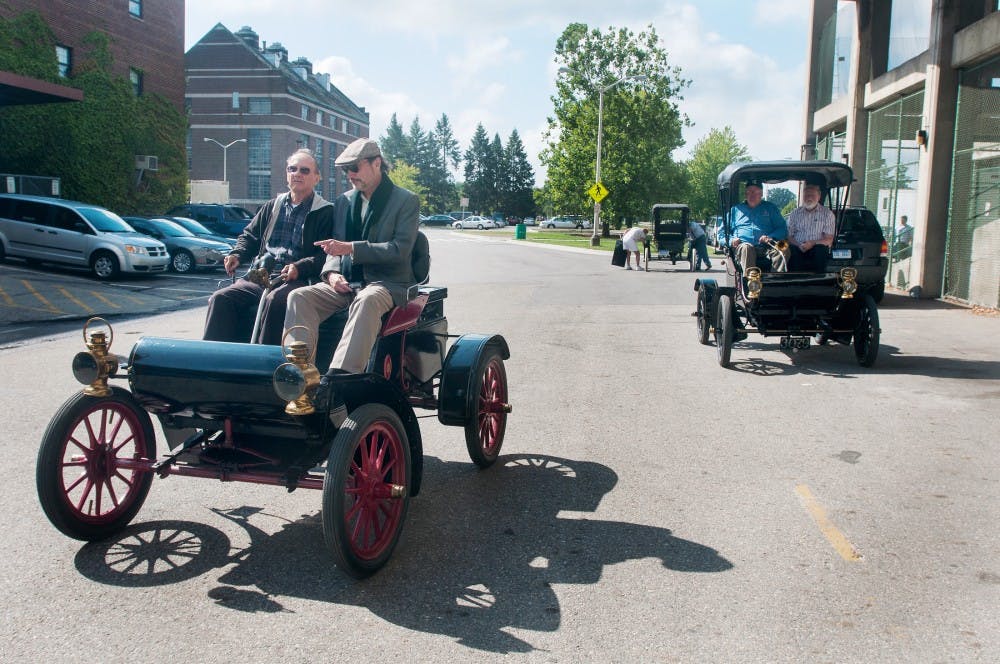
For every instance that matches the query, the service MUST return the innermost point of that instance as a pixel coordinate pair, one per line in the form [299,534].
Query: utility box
[36,185]
[209,191]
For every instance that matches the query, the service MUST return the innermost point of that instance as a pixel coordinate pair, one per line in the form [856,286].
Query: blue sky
[492,62]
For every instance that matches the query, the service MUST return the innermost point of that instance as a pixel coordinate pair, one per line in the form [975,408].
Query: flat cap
[363,148]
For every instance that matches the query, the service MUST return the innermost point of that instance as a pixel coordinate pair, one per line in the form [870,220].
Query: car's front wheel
[104,265]
[182,262]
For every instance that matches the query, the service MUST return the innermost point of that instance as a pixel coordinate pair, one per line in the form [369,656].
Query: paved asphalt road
[648,505]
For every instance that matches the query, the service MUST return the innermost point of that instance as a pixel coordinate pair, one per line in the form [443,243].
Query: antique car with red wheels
[833,301]
[265,414]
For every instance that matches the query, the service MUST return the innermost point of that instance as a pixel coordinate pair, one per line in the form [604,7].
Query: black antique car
[796,307]
[263,414]
[669,236]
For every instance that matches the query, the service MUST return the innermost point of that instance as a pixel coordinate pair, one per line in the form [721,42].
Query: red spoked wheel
[366,491]
[81,486]
[487,422]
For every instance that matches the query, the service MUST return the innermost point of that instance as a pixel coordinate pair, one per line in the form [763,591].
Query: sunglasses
[305,170]
[353,168]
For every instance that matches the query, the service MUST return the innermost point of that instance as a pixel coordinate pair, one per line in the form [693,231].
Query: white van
[51,230]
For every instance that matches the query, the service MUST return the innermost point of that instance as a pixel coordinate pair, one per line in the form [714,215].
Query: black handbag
[618,255]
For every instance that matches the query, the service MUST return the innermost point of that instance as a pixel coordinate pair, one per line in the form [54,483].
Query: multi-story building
[249,107]
[908,93]
[146,38]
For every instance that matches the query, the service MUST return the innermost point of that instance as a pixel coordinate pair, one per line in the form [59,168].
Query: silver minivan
[52,230]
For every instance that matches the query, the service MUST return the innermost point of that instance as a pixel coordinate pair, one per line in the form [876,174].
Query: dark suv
[860,244]
[225,220]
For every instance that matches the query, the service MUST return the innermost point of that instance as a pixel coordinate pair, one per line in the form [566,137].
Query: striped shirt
[810,225]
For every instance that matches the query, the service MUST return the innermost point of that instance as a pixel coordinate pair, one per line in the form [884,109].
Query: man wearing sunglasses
[281,237]
[369,271]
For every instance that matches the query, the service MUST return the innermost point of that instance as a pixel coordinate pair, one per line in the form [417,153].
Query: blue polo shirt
[748,224]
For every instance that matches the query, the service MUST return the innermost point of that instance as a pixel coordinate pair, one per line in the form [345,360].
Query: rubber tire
[379,426]
[59,502]
[867,332]
[692,261]
[104,265]
[702,304]
[724,328]
[187,262]
[479,227]
[487,423]
[648,255]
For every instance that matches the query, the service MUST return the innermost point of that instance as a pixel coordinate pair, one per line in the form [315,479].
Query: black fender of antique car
[457,392]
[708,289]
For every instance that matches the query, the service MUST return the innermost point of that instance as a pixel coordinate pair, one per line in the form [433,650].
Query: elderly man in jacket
[369,271]
[284,231]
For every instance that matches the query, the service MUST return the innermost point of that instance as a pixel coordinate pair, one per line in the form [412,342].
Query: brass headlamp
[92,368]
[754,283]
[296,380]
[848,282]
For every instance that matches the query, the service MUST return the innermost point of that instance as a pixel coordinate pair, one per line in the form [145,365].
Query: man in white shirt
[631,239]
[810,232]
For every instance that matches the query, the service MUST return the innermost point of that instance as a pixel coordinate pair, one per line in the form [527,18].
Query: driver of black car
[756,226]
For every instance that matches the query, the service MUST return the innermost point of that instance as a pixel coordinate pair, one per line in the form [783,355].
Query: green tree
[393,144]
[91,145]
[451,155]
[479,188]
[408,177]
[641,122]
[781,197]
[518,187]
[710,156]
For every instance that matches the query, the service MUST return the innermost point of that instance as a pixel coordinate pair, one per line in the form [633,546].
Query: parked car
[566,221]
[475,221]
[200,230]
[226,220]
[52,230]
[438,220]
[460,214]
[187,251]
[860,244]
[528,221]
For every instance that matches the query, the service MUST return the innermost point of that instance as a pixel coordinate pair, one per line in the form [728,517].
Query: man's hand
[765,239]
[335,247]
[338,283]
[735,242]
[807,245]
[290,272]
[230,263]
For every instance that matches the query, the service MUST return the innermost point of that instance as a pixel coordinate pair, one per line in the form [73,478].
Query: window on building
[303,142]
[64,58]
[319,117]
[258,186]
[187,146]
[259,150]
[259,105]
[135,8]
[305,112]
[135,77]
[909,30]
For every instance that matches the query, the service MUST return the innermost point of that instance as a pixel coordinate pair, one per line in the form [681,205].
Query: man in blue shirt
[753,225]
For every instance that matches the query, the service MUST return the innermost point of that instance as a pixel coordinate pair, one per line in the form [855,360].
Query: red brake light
[885,249]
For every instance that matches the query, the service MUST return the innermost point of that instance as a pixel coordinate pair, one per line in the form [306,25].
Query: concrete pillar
[822,11]
[934,189]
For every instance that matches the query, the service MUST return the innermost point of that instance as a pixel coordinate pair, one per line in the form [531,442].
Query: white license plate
[794,343]
[842,254]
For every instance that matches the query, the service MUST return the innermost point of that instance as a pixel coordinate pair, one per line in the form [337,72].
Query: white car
[474,221]
[569,221]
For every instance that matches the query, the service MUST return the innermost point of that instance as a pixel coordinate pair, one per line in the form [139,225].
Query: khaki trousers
[746,255]
[312,305]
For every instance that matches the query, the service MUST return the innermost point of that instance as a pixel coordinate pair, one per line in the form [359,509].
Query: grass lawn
[569,238]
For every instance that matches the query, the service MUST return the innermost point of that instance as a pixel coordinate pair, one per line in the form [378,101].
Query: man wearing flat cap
[810,230]
[369,271]
[755,224]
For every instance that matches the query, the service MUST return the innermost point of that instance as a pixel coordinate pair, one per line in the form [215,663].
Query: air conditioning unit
[146,162]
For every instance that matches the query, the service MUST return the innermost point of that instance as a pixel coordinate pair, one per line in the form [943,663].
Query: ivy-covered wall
[91,145]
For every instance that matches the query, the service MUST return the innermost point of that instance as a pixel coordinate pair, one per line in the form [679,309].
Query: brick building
[249,107]
[147,38]
[908,93]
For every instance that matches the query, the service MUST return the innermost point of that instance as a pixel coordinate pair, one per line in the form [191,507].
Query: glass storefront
[972,261]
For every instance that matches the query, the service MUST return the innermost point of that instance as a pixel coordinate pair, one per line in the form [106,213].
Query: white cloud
[770,12]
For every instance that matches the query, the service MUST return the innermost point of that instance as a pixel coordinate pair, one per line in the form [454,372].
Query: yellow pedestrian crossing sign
[598,192]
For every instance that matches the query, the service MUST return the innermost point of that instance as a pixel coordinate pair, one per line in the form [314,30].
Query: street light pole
[225,153]
[595,238]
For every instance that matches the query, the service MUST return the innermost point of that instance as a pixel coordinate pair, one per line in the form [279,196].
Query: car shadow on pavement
[479,555]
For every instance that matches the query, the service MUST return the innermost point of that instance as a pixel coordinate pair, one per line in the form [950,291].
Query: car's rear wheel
[479,227]
[702,314]
[366,490]
[486,425]
[104,265]
[182,262]
[649,254]
[724,329]
[867,333]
